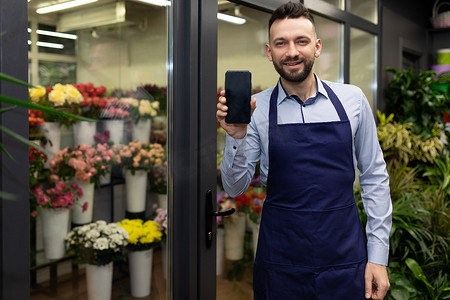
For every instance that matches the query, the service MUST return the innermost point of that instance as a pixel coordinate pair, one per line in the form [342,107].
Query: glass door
[242,35]
[114,58]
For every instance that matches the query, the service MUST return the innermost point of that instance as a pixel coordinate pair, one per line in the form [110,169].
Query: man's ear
[268,52]
[318,48]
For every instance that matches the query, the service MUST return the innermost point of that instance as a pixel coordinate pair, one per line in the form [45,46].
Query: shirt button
[304,105]
[234,147]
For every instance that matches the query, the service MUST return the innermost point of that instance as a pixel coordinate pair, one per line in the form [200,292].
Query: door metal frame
[14,214]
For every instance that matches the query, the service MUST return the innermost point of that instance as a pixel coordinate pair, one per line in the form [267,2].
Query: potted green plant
[411,98]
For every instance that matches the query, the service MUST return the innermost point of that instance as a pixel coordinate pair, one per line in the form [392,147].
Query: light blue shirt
[241,155]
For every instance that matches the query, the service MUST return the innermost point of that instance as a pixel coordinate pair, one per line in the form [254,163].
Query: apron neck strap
[334,99]
[336,102]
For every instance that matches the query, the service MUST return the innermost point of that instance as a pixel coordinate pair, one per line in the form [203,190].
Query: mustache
[290,60]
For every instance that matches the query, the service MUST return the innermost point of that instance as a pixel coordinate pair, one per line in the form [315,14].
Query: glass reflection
[366,9]
[328,65]
[240,47]
[363,47]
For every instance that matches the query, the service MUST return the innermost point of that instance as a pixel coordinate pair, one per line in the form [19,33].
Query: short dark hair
[291,10]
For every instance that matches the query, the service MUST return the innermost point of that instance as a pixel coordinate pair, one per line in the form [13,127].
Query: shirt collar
[282,94]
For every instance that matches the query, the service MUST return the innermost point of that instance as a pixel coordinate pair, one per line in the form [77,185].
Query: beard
[295,76]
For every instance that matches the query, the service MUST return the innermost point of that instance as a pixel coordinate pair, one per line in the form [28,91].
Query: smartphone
[238,87]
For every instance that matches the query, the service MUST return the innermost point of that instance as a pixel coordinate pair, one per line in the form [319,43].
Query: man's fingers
[368,284]
[253,104]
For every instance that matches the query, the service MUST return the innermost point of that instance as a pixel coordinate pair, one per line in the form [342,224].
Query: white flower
[101,244]
[83,229]
[102,227]
[87,244]
[107,230]
[99,222]
[92,234]
[117,239]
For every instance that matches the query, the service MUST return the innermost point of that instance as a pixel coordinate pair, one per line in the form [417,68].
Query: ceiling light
[48,45]
[64,5]
[231,19]
[55,34]
[157,2]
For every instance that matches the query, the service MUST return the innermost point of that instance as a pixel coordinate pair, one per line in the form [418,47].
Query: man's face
[292,48]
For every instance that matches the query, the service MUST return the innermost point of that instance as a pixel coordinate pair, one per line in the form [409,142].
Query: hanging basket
[441,19]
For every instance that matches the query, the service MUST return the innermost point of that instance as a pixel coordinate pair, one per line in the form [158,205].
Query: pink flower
[85,207]
[77,164]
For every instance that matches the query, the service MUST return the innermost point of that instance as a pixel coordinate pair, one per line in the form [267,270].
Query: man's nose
[292,50]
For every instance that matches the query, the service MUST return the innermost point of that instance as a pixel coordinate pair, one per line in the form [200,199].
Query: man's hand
[237,131]
[377,281]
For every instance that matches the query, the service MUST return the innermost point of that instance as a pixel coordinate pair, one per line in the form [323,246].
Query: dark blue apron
[311,244]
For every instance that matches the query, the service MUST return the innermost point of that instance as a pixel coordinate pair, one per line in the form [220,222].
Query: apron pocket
[342,282]
[311,238]
[288,282]
[338,237]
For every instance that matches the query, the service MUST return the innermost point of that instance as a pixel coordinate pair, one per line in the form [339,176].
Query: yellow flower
[37,93]
[155,105]
[132,101]
[57,97]
[73,95]
[140,232]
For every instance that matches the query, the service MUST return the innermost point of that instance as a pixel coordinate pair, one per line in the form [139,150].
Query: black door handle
[211,214]
[223,213]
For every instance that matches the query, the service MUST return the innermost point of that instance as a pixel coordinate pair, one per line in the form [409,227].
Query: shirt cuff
[232,147]
[377,254]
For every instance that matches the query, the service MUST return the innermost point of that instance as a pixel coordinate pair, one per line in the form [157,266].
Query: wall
[124,56]
[404,27]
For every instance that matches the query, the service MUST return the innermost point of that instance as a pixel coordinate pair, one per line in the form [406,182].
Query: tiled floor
[226,290]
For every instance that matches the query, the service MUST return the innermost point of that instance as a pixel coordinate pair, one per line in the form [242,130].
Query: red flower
[85,207]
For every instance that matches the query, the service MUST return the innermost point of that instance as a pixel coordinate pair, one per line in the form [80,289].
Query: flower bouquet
[143,236]
[139,156]
[54,200]
[98,245]
[141,109]
[91,106]
[114,115]
[158,94]
[137,159]
[141,113]
[60,96]
[158,172]
[94,100]
[56,195]
[84,164]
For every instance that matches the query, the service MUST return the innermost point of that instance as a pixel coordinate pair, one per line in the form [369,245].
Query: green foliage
[411,98]
[399,142]
[419,176]
[439,289]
